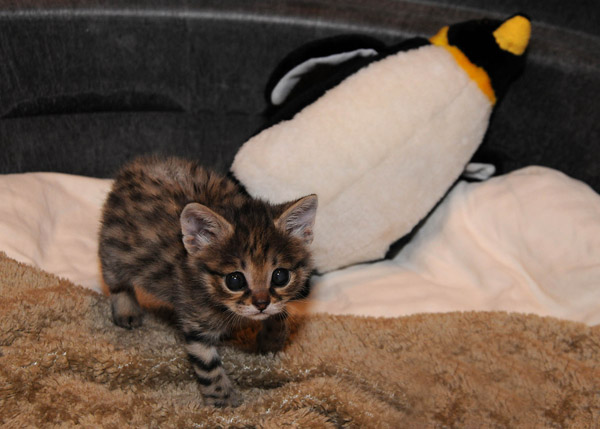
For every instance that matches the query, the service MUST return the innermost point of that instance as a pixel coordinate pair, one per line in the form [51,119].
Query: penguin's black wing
[308,72]
[307,64]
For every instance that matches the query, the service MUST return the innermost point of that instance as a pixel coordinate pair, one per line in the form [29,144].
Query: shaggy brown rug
[63,362]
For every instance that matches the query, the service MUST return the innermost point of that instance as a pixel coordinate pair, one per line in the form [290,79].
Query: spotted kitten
[193,239]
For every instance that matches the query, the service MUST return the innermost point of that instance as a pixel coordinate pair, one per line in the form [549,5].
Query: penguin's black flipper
[310,70]
[306,73]
[307,64]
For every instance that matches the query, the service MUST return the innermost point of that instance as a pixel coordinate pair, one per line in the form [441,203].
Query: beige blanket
[526,242]
[62,362]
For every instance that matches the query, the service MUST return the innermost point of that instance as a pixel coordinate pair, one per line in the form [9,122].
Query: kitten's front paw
[220,391]
[226,398]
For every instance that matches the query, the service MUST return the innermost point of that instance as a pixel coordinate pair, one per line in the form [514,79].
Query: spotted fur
[180,232]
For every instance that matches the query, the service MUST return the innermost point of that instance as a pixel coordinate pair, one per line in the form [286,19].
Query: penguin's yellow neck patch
[476,73]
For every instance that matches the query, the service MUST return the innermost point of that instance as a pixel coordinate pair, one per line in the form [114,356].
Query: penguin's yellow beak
[513,35]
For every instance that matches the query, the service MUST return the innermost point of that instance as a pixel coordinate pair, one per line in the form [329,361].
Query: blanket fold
[63,362]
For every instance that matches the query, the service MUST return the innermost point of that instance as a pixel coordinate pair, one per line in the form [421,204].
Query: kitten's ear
[201,226]
[298,218]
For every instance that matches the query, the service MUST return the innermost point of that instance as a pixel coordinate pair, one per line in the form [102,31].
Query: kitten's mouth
[254,314]
[259,316]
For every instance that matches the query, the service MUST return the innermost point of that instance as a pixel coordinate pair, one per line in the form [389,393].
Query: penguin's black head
[496,46]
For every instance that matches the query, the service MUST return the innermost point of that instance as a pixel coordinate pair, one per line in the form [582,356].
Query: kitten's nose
[261,301]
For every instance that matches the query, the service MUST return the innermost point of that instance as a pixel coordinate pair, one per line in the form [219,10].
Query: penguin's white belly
[379,150]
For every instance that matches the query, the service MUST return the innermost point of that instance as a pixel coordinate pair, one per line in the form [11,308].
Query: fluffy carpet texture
[63,363]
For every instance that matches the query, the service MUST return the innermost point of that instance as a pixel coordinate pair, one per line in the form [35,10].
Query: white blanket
[526,242]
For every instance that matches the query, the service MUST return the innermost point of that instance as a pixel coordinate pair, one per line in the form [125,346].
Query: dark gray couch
[86,86]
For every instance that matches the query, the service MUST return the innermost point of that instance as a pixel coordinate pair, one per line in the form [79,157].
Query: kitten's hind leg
[126,311]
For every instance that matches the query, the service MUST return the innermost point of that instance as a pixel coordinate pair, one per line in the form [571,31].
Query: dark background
[85,86]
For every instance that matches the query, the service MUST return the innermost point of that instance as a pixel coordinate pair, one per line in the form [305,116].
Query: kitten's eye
[235,281]
[280,277]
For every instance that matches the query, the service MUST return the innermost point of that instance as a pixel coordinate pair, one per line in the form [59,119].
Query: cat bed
[528,242]
[62,362]
[187,78]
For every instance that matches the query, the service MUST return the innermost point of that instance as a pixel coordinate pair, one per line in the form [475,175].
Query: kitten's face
[257,263]
[261,277]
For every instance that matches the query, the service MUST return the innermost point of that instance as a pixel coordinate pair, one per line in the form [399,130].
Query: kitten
[194,239]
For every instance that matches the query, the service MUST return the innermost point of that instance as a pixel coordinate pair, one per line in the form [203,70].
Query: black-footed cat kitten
[192,238]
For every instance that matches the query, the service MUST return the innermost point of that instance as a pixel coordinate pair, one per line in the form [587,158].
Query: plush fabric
[63,362]
[528,241]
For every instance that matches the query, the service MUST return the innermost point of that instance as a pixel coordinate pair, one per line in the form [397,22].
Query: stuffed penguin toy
[382,142]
